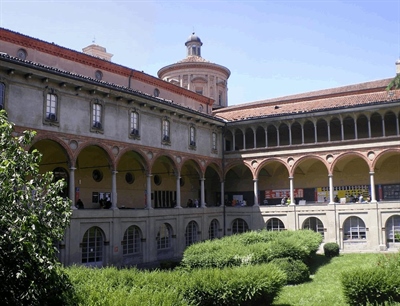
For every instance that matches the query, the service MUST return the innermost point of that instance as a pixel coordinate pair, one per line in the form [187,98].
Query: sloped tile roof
[323,100]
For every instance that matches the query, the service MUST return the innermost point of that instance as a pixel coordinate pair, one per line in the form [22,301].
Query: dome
[193,38]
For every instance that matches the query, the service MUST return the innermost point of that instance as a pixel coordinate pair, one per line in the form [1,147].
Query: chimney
[398,66]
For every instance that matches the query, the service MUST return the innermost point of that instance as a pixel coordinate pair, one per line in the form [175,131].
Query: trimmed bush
[256,285]
[251,248]
[296,271]
[379,285]
[331,249]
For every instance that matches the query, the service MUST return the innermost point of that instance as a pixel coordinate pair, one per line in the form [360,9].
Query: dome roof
[193,37]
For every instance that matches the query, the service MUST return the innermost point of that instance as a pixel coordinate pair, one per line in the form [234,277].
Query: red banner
[280,193]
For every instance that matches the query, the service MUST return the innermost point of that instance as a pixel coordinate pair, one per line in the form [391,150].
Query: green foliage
[395,83]
[251,248]
[296,271]
[331,249]
[247,285]
[113,287]
[32,218]
[374,285]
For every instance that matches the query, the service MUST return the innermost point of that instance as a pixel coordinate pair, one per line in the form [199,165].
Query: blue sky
[273,48]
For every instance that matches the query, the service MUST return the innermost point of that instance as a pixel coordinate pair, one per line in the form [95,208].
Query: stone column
[222,193]
[71,190]
[178,191]
[255,183]
[372,183]
[202,202]
[114,190]
[331,201]
[148,191]
[291,191]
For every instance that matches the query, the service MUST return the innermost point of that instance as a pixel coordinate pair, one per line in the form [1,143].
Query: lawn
[324,288]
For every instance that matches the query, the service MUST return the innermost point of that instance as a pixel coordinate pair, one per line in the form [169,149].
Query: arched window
[354,228]
[392,228]
[132,241]
[213,229]
[191,233]
[314,224]
[92,246]
[275,224]
[239,226]
[164,237]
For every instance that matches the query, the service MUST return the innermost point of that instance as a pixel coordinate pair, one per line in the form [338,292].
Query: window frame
[275,224]
[166,131]
[164,237]
[92,246]
[191,233]
[239,226]
[213,229]
[134,124]
[132,241]
[192,137]
[51,113]
[214,142]
[353,231]
[97,120]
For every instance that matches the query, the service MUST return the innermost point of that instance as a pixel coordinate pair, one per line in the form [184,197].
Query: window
[92,246]
[314,224]
[98,75]
[191,233]
[164,237]
[213,229]
[393,228]
[134,124]
[51,107]
[192,136]
[2,95]
[21,54]
[165,131]
[220,98]
[199,90]
[239,226]
[214,142]
[275,224]
[354,228]
[156,92]
[132,241]
[97,116]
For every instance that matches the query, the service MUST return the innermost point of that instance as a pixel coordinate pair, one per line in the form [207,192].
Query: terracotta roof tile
[323,100]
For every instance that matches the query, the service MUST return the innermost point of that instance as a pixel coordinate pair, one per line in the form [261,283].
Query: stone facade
[113,136]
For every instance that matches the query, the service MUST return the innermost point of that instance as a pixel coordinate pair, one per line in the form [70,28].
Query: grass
[324,288]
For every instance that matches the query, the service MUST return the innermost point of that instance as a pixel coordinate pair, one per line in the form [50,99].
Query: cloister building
[177,166]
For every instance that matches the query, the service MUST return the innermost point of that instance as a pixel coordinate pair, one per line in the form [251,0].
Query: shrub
[296,271]
[246,285]
[331,249]
[368,286]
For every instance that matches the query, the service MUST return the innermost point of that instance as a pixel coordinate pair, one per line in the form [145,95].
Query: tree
[33,217]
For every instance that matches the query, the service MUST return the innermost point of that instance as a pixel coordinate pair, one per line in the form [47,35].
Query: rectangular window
[214,141]
[199,90]
[51,107]
[135,123]
[165,130]
[220,98]
[96,116]
[192,140]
